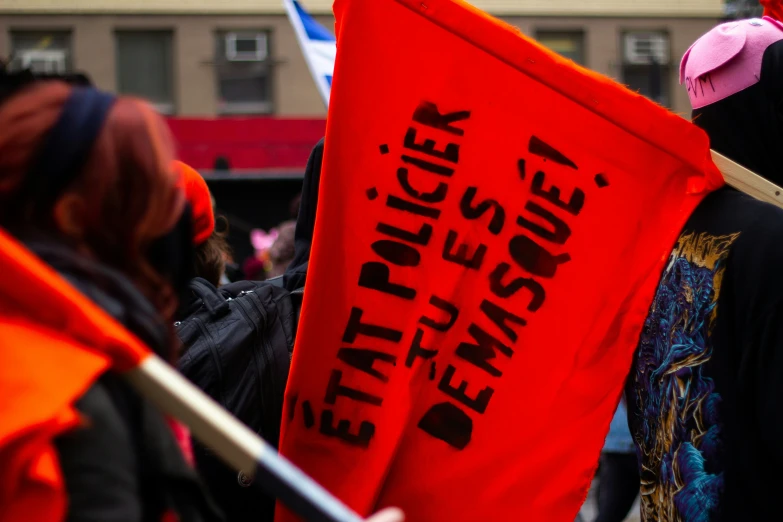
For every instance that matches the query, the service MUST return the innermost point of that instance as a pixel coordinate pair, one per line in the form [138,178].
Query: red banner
[492,224]
[246,144]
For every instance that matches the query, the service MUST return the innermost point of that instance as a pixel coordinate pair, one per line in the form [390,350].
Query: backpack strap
[275,281]
[214,303]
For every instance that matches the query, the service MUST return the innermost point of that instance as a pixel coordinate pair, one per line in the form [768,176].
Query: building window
[646,64]
[570,44]
[145,67]
[242,66]
[41,51]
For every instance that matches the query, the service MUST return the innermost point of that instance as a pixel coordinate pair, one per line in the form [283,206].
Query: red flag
[492,224]
[773,9]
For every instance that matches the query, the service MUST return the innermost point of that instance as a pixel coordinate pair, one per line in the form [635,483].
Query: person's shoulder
[761,232]
[108,407]
[730,212]
[756,257]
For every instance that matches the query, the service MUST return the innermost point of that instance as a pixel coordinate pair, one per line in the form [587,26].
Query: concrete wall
[603,45]
[195,86]
[293,91]
[628,8]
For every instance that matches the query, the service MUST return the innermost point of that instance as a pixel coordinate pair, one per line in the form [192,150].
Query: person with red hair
[95,251]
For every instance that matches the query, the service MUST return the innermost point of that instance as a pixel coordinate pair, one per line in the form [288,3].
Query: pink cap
[727,60]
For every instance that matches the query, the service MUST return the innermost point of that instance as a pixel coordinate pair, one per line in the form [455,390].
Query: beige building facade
[206,58]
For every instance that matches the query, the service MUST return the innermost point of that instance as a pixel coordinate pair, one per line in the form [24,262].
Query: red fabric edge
[597,93]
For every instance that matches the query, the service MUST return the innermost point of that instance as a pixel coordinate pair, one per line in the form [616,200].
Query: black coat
[124,465]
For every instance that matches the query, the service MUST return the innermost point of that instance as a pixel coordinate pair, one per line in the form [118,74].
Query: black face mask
[172,256]
[747,127]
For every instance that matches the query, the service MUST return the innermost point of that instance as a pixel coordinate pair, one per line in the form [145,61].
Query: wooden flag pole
[240,447]
[747,181]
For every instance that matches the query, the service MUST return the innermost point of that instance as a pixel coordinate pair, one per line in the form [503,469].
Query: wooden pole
[747,181]
[237,445]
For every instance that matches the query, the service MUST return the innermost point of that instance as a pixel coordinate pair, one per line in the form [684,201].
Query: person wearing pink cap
[705,394]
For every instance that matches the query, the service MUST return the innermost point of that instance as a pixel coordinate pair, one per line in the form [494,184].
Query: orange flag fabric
[54,343]
[492,223]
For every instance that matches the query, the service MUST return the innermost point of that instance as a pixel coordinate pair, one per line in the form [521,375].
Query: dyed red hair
[131,193]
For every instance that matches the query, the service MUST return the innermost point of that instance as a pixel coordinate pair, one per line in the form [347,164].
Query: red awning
[258,147]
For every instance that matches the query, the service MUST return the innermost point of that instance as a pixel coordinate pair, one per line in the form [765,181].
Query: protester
[704,395]
[296,273]
[86,185]
[281,253]
[236,343]
[618,474]
[211,248]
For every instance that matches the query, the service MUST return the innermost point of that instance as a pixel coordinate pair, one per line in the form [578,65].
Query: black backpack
[238,342]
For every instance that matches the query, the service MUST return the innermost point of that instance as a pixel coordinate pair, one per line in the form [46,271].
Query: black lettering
[414,208]
[436,196]
[356,327]
[448,423]
[364,360]
[447,307]
[396,253]
[499,316]
[440,170]
[334,389]
[479,354]
[427,114]
[575,203]
[540,148]
[534,258]
[560,230]
[375,276]
[307,413]
[474,212]
[460,257]
[507,290]
[450,153]
[421,238]
[343,430]
[417,351]
[459,394]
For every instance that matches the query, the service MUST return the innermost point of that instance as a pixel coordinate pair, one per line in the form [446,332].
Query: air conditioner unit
[48,61]
[646,48]
[246,47]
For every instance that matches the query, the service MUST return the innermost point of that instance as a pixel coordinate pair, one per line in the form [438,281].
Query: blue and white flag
[319,46]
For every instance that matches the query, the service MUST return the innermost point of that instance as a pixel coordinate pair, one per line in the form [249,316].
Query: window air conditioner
[48,61]
[644,48]
[246,47]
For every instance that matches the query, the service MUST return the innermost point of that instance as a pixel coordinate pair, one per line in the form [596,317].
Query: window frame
[222,62]
[667,90]
[66,33]
[167,108]
[579,32]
